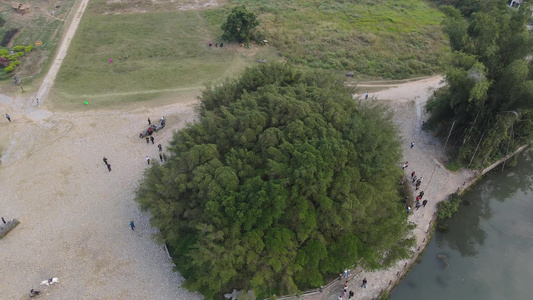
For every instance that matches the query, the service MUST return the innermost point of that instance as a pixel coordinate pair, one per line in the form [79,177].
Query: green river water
[487,251]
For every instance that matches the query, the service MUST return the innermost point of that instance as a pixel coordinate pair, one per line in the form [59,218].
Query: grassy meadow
[388,39]
[161,51]
[164,45]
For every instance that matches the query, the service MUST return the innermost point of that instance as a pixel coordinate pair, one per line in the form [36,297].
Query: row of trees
[486,105]
[283,182]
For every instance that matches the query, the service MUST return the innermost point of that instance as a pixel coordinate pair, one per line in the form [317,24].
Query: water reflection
[516,179]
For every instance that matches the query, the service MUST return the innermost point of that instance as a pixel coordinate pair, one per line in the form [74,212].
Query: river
[487,251]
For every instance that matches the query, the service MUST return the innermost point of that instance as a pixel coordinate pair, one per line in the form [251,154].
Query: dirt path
[407,101]
[61,53]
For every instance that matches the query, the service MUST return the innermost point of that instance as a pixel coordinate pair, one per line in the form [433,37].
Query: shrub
[448,207]
[4,62]
[8,36]
[15,63]
[28,49]
[19,54]
[4,52]
[18,48]
[9,69]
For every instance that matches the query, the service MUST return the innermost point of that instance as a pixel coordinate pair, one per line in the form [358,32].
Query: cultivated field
[36,25]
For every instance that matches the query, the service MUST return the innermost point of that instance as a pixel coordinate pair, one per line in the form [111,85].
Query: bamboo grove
[485,108]
[282,183]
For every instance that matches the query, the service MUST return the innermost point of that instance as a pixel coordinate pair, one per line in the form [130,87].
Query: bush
[28,49]
[9,69]
[4,62]
[19,54]
[8,36]
[448,207]
[4,52]
[18,48]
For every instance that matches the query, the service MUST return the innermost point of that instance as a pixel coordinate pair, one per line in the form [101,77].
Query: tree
[282,183]
[239,25]
[489,96]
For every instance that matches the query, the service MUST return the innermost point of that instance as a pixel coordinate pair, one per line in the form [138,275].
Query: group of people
[216,44]
[350,294]
[417,182]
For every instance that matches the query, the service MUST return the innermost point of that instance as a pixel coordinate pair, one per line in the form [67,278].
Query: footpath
[407,101]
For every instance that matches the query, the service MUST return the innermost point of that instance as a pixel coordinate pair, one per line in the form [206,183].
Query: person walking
[364,283]
[421,195]
[412,145]
[147,140]
[132,225]
[147,159]
[417,205]
[152,139]
[37,101]
[161,157]
[351,294]
[414,179]
[105,160]
[160,147]
[421,178]
[408,209]
[109,167]
[346,273]
[413,174]
[149,122]
[424,203]
[4,221]
[366,95]
[8,117]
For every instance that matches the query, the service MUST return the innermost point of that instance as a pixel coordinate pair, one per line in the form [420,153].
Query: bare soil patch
[144,6]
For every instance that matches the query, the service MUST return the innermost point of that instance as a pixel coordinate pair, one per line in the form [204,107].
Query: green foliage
[19,54]
[448,207]
[239,25]
[283,182]
[9,68]
[490,84]
[18,48]
[28,49]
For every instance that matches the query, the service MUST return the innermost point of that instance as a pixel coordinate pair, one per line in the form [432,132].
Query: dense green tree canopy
[239,25]
[490,83]
[282,183]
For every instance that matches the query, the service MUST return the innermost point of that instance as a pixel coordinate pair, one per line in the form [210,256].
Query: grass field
[162,52]
[389,39]
[164,49]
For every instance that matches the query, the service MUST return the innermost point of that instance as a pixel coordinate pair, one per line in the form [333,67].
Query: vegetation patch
[391,39]
[448,207]
[284,182]
[36,24]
